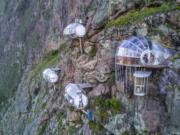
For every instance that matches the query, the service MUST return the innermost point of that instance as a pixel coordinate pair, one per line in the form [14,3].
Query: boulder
[95,76]
[68,69]
[90,65]
[176,64]
[101,77]
[106,44]
[168,79]
[142,30]
[88,46]
[178,2]
[101,16]
[151,117]
[83,59]
[78,76]
[88,49]
[73,116]
[153,89]
[139,123]
[116,5]
[107,54]
[152,120]
[173,106]
[101,89]
[173,17]
[117,124]
[104,67]
[96,36]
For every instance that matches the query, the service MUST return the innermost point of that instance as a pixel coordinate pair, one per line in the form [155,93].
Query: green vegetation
[59,117]
[44,105]
[96,126]
[49,60]
[93,51]
[125,133]
[42,128]
[46,14]
[36,73]
[138,15]
[178,8]
[175,57]
[113,105]
[111,80]
[170,87]
[71,130]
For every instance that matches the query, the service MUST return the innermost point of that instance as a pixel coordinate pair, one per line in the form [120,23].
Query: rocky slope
[31,40]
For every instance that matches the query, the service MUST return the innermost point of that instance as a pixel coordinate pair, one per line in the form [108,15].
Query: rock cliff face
[31,40]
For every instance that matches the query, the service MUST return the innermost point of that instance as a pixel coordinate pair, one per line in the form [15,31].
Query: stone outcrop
[99,90]
[33,31]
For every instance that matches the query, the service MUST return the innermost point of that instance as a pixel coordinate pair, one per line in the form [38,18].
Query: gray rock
[118,124]
[173,104]
[173,17]
[101,89]
[83,59]
[88,46]
[116,5]
[88,49]
[90,65]
[95,76]
[139,123]
[104,66]
[157,109]
[178,1]
[169,79]
[142,30]
[73,116]
[171,130]
[101,15]
[176,64]
[106,44]
[78,76]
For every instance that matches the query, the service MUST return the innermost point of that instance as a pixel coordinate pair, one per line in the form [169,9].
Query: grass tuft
[138,15]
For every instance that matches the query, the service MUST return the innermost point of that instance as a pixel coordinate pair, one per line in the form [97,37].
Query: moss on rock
[96,127]
[101,104]
[42,129]
[93,51]
[138,15]
[111,80]
[175,57]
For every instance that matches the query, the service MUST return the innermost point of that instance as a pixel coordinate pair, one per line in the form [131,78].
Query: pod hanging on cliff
[138,54]
[51,75]
[75,96]
[75,30]
[139,51]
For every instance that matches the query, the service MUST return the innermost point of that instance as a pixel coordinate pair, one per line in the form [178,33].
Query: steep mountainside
[31,40]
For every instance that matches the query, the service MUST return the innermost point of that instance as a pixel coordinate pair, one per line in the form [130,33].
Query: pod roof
[140,51]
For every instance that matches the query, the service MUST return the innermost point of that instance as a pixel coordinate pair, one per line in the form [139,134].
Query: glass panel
[134,47]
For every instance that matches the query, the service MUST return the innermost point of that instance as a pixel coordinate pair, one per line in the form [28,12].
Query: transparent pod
[75,30]
[50,75]
[75,96]
[141,51]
